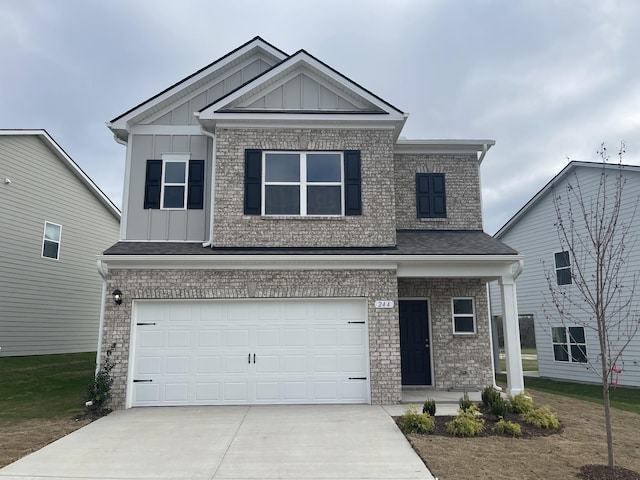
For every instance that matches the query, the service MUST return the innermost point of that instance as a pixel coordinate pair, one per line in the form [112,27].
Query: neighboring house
[281,244]
[564,349]
[55,221]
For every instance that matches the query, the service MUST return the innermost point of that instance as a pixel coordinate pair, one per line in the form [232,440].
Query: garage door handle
[357,378]
[254,358]
[356,322]
[142,381]
[249,358]
[146,323]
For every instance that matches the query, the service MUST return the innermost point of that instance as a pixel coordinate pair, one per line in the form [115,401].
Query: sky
[548,80]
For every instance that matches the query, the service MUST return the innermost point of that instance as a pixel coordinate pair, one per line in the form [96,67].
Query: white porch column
[511,330]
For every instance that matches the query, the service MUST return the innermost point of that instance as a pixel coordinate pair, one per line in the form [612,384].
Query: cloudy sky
[547,79]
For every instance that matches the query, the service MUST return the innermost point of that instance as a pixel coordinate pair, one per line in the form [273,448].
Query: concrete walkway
[242,443]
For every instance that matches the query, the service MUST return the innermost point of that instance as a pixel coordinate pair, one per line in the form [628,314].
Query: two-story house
[281,243]
[54,220]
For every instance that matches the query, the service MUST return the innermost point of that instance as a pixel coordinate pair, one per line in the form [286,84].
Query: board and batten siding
[536,237]
[158,224]
[48,306]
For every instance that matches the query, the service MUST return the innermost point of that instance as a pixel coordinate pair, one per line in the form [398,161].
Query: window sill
[296,218]
[434,219]
[464,334]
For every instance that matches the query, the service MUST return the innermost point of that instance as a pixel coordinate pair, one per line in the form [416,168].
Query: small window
[569,344]
[51,240]
[431,200]
[563,268]
[174,183]
[464,319]
[303,183]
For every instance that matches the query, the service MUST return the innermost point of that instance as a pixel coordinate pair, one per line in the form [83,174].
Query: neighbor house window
[569,344]
[464,319]
[563,268]
[174,183]
[51,240]
[431,200]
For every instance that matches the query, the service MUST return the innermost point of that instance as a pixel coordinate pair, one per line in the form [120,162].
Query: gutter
[209,243]
[104,272]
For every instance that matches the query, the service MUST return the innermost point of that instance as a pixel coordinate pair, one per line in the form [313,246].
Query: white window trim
[302,183]
[556,268]
[568,344]
[44,239]
[175,158]
[464,315]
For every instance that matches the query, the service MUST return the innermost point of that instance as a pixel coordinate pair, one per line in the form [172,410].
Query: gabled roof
[544,191]
[345,99]
[182,88]
[69,163]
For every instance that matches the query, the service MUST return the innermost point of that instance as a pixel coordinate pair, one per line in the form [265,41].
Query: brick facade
[462,184]
[460,361]
[384,342]
[375,227]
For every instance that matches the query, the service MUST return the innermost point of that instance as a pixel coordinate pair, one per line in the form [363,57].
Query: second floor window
[431,199]
[174,183]
[563,268]
[51,240]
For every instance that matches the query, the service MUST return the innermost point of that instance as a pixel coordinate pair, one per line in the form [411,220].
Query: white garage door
[249,352]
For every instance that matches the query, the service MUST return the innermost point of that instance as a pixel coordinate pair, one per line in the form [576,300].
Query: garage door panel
[203,352]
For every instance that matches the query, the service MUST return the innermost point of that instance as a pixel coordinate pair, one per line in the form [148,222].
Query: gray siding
[182,114]
[154,224]
[48,306]
[535,236]
[462,186]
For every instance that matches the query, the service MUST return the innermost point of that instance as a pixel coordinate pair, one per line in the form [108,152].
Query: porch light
[117,296]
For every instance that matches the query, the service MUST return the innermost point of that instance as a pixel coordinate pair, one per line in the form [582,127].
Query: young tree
[595,229]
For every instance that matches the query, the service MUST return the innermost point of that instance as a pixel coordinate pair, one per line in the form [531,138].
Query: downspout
[125,191]
[519,269]
[495,386]
[209,243]
[104,272]
[485,148]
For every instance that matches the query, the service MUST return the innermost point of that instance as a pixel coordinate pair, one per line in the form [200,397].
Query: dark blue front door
[414,342]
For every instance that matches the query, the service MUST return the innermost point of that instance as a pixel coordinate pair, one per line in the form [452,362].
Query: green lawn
[44,386]
[622,398]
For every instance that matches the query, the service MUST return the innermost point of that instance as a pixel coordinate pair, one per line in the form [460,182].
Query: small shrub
[465,403]
[541,417]
[507,428]
[99,389]
[521,403]
[466,423]
[429,407]
[413,422]
[489,394]
[499,407]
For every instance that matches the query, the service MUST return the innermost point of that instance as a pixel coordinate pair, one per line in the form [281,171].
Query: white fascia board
[166,130]
[311,63]
[449,146]
[122,122]
[73,166]
[296,120]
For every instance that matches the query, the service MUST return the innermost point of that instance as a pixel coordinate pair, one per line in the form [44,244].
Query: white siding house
[55,221]
[532,231]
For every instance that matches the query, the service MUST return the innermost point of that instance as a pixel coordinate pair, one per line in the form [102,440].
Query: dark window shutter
[152,184]
[195,199]
[252,182]
[352,183]
[431,201]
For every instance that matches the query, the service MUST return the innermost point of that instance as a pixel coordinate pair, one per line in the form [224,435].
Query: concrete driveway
[258,442]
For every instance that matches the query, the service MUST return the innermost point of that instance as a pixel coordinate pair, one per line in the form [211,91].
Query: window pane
[558,335]
[562,259]
[463,324]
[324,167]
[282,167]
[52,232]
[173,197]
[564,276]
[174,172]
[324,201]
[463,305]
[50,249]
[578,353]
[576,334]
[560,353]
[282,200]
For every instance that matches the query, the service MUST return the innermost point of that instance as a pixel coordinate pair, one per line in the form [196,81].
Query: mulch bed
[604,472]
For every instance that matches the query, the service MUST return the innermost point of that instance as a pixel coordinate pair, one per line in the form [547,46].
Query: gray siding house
[55,221]
[281,243]
[564,349]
